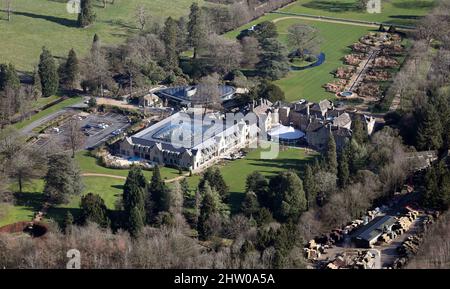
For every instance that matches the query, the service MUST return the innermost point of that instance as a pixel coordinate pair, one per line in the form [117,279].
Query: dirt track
[103,175]
[324,20]
[124,178]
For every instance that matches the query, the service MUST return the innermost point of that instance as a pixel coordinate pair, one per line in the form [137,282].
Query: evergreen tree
[273,63]
[133,200]
[158,193]
[207,209]
[265,30]
[310,187]
[437,186]
[87,15]
[220,206]
[429,132]
[37,85]
[196,28]
[359,134]
[62,180]
[93,209]
[263,217]
[330,157]
[441,102]
[48,73]
[343,169]
[182,35]
[137,175]
[169,37]
[246,248]
[250,205]
[185,187]
[69,71]
[270,91]
[9,77]
[135,221]
[68,221]
[290,199]
[213,176]
[258,184]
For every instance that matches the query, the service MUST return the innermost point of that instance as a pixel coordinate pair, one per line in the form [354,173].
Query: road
[29,128]
[325,20]
[389,251]
[341,20]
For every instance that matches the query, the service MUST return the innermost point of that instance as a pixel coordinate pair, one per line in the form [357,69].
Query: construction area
[385,237]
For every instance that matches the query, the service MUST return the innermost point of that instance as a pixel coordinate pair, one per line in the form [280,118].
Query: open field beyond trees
[404,12]
[37,23]
[307,84]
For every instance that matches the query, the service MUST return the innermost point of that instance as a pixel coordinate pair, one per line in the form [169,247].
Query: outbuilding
[368,235]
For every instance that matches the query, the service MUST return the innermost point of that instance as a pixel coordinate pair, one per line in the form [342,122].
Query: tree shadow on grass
[59,214]
[282,164]
[119,187]
[409,17]
[415,4]
[332,6]
[30,200]
[404,19]
[58,20]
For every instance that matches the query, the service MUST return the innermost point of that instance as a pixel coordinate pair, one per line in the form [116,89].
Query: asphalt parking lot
[91,126]
[95,134]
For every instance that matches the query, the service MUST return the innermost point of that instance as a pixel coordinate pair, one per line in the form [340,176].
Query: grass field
[307,84]
[405,12]
[110,189]
[32,199]
[37,23]
[88,164]
[235,172]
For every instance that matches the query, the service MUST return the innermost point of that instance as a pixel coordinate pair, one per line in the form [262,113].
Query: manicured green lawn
[307,84]
[110,189]
[27,203]
[10,214]
[44,113]
[42,101]
[404,12]
[235,172]
[32,199]
[88,164]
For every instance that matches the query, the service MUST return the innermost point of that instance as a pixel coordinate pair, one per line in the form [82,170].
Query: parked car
[102,125]
[117,132]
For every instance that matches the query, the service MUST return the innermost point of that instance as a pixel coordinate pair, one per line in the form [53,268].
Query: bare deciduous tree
[74,137]
[8,9]
[141,16]
[208,93]
[304,38]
